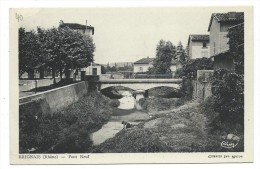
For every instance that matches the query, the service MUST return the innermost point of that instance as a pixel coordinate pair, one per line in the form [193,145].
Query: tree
[29,52]
[228,86]
[165,52]
[188,72]
[65,49]
[103,69]
[236,46]
[190,67]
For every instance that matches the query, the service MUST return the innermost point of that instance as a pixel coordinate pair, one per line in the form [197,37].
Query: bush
[114,103]
[66,131]
[133,141]
[186,89]
[228,91]
[189,72]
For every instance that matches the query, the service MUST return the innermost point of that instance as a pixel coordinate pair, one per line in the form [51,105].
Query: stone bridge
[140,84]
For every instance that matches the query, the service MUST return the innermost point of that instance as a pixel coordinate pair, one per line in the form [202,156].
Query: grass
[66,131]
[181,129]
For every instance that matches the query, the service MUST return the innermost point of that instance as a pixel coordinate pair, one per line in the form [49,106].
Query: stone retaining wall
[53,100]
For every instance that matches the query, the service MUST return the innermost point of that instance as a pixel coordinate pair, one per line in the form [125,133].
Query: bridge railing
[141,81]
[153,76]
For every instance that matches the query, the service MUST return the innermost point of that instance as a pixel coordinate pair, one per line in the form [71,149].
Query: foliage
[65,131]
[114,103]
[190,67]
[103,69]
[165,52]
[186,89]
[57,49]
[119,68]
[66,49]
[188,72]
[182,54]
[236,46]
[228,91]
[133,141]
[29,52]
[126,68]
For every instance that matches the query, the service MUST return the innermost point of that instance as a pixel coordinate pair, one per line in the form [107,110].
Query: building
[198,46]
[93,69]
[218,28]
[84,29]
[143,65]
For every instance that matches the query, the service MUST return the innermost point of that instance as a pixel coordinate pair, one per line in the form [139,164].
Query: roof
[201,37]
[144,60]
[236,17]
[76,26]
[96,64]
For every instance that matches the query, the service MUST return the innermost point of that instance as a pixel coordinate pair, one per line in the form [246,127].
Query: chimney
[231,15]
[61,22]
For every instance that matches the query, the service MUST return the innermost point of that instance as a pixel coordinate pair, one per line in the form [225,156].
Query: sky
[127,34]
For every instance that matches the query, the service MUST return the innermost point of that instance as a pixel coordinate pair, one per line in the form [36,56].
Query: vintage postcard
[131,85]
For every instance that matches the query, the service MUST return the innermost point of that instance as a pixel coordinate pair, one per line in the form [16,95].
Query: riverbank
[181,129]
[68,130]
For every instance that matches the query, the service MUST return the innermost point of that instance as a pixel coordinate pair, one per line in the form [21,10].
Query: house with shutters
[198,46]
[218,28]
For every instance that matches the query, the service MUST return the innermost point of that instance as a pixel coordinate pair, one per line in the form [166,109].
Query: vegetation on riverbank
[66,131]
[183,129]
[164,92]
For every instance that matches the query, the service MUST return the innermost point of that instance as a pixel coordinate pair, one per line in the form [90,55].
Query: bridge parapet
[140,84]
[141,81]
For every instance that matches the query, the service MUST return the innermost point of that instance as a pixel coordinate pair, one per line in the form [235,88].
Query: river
[129,110]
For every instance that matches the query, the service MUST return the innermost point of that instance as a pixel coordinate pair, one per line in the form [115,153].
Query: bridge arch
[140,86]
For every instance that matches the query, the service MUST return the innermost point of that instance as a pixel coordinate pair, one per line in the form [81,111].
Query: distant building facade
[218,28]
[93,69]
[198,46]
[84,29]
[143,65]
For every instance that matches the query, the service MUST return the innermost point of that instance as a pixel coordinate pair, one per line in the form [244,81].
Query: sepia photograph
[129,82]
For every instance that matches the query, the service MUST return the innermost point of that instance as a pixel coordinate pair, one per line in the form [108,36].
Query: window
[204,44]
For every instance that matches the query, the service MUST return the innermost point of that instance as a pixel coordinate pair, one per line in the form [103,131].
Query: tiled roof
[199,37]
[75,26]
[96,64]
[225,17]
[144,60]
[236,17]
